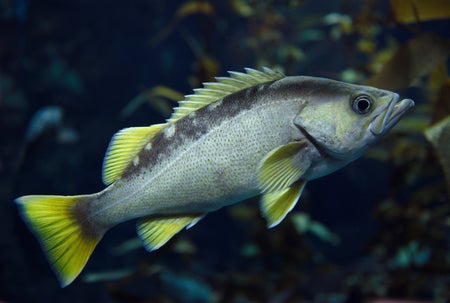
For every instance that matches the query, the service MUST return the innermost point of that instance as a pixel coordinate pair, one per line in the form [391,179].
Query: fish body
[252,133]
[208,159]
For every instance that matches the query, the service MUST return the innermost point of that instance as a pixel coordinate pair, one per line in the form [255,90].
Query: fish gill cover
[378,229]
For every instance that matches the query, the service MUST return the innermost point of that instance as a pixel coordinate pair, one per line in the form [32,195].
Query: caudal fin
[53,220]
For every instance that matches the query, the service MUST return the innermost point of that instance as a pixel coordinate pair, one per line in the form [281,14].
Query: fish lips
[390,116]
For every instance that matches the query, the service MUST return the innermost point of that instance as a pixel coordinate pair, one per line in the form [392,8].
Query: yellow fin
[155,232]
[282,167]
[124,147]
[53,221]
[276,205]
[214,91]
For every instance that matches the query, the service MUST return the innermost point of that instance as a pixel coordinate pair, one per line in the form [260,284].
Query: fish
[252,133]
[47,118]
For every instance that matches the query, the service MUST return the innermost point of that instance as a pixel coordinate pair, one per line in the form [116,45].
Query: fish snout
[391,115]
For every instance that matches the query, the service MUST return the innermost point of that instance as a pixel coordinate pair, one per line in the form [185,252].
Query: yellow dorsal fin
[224,86]
[124,147]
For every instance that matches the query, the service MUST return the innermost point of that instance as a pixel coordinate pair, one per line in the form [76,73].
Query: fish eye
[362,104]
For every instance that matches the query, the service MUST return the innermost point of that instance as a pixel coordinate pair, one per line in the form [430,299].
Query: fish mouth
[389,117]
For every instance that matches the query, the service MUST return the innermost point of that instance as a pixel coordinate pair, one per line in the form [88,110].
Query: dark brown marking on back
[193,127]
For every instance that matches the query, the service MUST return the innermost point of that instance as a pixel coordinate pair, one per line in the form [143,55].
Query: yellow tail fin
[56,223]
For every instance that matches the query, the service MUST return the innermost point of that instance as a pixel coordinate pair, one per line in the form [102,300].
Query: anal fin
[276,205]
[156,231]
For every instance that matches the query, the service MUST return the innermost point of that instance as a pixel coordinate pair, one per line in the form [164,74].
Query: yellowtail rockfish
[252,133]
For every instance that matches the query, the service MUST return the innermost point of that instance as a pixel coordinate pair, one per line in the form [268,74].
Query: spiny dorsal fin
[124,147]
[224,86]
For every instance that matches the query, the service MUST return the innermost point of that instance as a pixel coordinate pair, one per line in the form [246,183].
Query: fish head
[342,120]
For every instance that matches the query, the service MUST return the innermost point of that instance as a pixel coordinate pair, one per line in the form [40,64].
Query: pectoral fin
[155,232]
[277,204]
[282,167]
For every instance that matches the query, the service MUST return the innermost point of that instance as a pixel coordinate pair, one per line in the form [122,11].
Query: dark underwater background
[72,73]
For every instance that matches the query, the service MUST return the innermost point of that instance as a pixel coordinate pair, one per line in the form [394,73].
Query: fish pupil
[362,104]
